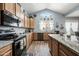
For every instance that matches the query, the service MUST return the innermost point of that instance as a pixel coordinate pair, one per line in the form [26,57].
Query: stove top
[7,35]
[10,35]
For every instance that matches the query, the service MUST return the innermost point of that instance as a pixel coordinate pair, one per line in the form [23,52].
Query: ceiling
[74,13]
[62,8]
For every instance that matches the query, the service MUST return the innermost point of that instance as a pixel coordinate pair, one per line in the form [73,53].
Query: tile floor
[38,48]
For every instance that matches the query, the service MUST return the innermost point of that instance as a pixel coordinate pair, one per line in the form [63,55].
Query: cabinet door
[9,53]
[22,15]
[35,36]
[1,6]
[50,41]
[32,23]
[10,7]
[21,24]
[5,49]
[29,40]
[54,47]
[26,22]
[46,36]
[40,36]
[18,10]
[29,22]
[22,19]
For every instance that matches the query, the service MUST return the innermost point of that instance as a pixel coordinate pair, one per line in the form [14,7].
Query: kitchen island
[61,45]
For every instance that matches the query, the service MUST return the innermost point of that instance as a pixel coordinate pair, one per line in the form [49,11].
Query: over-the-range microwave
[8,19]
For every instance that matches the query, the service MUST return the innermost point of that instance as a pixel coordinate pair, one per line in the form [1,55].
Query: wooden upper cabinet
[21,15]
[27,22]
[10,7]
[32,23]
[1,6]
[22,19]
[18,10]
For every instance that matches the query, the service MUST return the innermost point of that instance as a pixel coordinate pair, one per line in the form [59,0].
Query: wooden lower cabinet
[9,53]
[29,40]
[58,49]
[40,36]
[45,36]
[49,44]
[54,45]
[34,36]
[6,51]
[61,53]
[65,51]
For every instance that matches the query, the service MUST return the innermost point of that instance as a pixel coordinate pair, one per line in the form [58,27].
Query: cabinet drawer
[61,53]
[5,49]
[67,51]
[9,53]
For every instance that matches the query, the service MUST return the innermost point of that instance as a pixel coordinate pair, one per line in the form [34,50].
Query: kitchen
[39,29]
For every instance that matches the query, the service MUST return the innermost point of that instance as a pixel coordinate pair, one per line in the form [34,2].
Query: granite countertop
[6,33]
[72,43]
[5,43]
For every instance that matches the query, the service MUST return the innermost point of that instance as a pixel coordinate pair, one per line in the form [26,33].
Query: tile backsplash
[17,30]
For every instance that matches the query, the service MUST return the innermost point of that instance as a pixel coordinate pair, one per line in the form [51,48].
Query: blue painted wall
[57,17]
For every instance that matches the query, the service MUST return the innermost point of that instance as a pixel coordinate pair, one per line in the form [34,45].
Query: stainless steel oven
[19,41]
[18,46]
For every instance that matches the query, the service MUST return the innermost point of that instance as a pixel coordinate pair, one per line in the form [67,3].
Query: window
[71,24]
[42,26]
[51,25]
[46,22]
[46,26]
